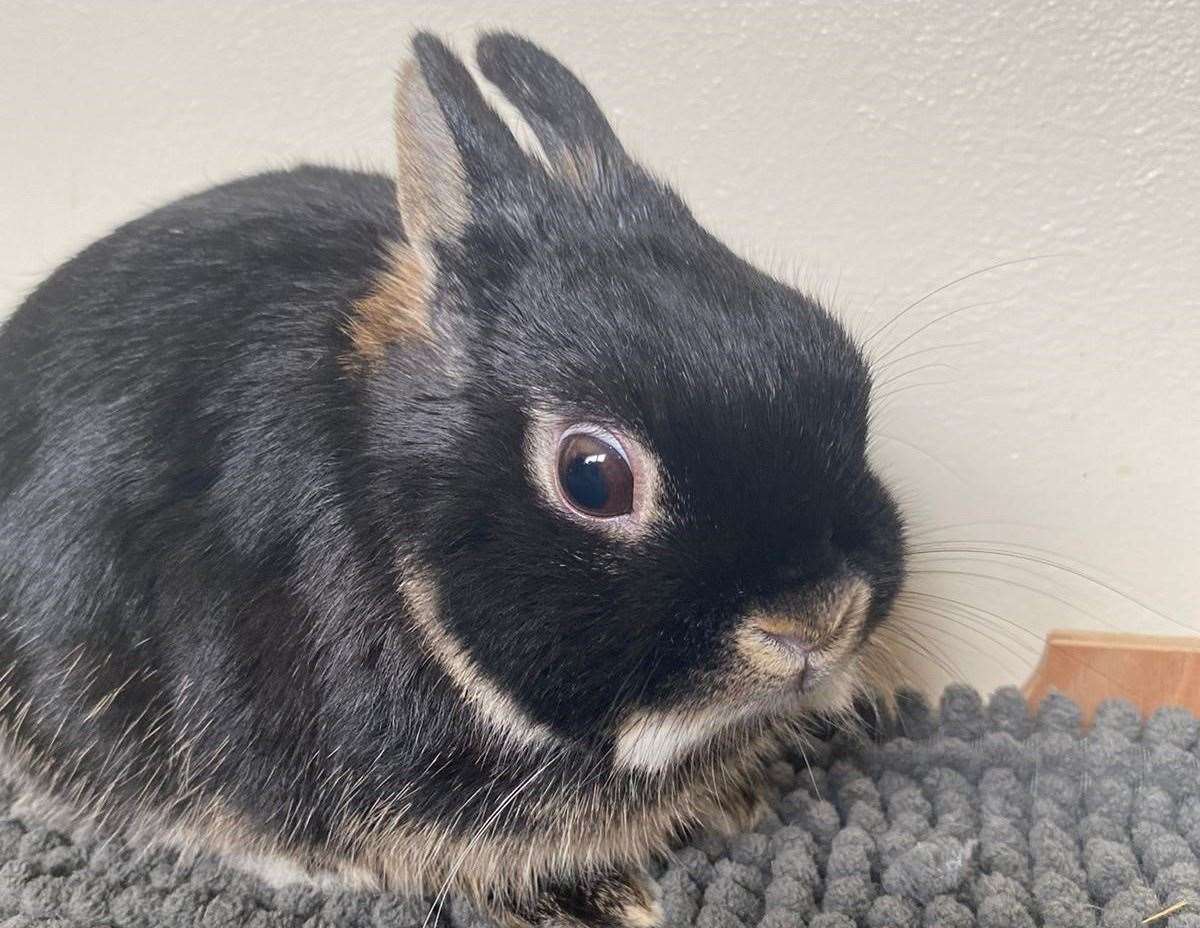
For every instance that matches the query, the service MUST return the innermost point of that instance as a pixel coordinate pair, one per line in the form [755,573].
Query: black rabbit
[483,531]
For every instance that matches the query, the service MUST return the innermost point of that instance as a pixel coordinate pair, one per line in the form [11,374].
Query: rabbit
[484,531]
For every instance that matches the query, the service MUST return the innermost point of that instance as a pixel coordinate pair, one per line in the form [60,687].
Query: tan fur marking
[397,310]
[495,708]
[842,606]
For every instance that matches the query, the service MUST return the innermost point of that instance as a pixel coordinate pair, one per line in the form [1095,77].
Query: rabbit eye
[594,475]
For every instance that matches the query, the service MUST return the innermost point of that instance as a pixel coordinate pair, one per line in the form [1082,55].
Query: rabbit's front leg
[612,899]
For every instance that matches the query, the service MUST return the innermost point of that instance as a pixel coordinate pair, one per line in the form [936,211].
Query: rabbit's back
[129,377]
[174,419]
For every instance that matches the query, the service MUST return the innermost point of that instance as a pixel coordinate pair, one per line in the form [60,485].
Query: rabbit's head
[624,471]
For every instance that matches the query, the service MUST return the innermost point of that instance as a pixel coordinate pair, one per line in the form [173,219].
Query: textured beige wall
[872,151]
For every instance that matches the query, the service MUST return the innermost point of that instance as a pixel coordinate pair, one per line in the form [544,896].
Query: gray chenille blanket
[970,814]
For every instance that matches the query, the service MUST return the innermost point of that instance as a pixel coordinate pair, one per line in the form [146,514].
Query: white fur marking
[637,916]
[653,741]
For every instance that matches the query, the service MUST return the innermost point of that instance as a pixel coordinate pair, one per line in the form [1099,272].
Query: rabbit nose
[800,637]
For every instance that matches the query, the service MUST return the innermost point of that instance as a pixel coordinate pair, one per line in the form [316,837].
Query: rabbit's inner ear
[431,182]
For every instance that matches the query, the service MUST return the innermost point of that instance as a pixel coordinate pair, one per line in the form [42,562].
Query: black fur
[206,509]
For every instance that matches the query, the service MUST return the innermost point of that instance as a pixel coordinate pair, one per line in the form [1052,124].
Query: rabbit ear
[455,157]
[431,183]
[451,146]
[562,113]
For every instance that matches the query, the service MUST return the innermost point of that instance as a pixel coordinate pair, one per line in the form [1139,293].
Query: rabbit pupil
[594,476]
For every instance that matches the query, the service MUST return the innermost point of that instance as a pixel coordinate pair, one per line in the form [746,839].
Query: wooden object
[1090,667]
